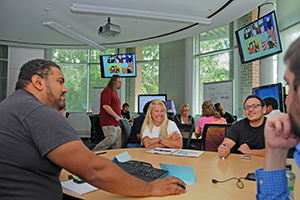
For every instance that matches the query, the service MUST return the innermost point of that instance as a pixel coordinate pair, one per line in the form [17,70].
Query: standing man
[110,115]
[247,135]
[271,107]
[282,132]
[37,141]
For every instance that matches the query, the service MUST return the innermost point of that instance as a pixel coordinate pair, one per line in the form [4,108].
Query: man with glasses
[247,135]
[110,115]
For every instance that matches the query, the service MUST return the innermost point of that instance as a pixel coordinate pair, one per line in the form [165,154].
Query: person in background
[184,117]
[282,132]
[134,140]
[170,108]
[158,130]
[110,115]
[247,135]
[271,107]
[209,115]
[42,141]
[229,118]
[125,111]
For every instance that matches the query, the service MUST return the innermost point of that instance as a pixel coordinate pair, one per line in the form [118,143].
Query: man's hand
[167,186]
[278,133]
[279,139]
[223,150]
[244,148]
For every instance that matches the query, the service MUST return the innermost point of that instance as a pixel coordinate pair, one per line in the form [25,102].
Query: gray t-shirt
[29,130]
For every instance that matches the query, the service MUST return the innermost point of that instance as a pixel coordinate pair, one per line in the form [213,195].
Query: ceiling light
[83,8]
[60,28]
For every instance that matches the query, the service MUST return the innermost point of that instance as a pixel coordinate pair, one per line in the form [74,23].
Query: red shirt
[109,97]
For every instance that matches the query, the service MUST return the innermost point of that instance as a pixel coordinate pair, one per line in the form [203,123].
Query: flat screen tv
[259,39]
[120,64]
[273,90]
[144,98]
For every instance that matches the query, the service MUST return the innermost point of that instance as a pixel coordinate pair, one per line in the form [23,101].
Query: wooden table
[207,167]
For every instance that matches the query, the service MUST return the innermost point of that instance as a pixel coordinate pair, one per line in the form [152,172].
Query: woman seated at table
[209,115]
[158,130]
[184,117]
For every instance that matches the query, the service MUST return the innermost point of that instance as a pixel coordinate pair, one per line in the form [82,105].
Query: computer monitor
[272,90]
[144,98]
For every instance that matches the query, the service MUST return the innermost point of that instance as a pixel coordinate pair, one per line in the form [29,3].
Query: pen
[162,150]
[223,157]
[104,152]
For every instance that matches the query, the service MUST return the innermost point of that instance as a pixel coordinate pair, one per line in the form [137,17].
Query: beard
[294,114]
[57,103]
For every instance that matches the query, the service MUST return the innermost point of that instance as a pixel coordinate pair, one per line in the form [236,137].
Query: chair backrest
[213,135]
[97,134]
[186,132]
[126,130]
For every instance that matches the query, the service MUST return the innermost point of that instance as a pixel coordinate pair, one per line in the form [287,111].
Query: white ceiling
[22,25]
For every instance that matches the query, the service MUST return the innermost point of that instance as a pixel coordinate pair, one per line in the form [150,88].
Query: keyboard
[142,170]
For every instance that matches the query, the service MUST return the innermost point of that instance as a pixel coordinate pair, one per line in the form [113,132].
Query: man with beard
[247,135]
[37,141]
[282,132]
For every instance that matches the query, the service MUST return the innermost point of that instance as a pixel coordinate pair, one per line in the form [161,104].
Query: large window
[211,59]
[150,69]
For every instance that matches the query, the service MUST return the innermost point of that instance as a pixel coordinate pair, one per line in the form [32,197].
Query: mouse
[181,185]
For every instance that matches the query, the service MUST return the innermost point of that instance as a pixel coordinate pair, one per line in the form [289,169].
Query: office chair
[186,132]
[213,135]
[126,130]
[97,134]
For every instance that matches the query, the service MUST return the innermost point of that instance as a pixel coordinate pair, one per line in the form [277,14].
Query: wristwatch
[116,116]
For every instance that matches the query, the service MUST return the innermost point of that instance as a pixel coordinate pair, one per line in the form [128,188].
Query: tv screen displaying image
[120,64]
[273,90]
[144,98]
[259,39]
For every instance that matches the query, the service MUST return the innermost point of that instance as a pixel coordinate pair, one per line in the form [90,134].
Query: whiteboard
[220,92]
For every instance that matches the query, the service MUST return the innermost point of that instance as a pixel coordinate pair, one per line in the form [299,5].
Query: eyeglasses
[253,106]
[119,81]
[185,111]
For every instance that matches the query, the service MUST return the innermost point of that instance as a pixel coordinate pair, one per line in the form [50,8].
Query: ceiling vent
[109,29]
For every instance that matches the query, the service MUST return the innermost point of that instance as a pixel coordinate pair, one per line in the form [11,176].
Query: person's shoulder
[171,122]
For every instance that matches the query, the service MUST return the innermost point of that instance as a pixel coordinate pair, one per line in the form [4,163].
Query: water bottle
[290,180]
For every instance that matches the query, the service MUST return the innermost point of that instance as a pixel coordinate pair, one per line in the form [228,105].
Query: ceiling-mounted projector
[109,29]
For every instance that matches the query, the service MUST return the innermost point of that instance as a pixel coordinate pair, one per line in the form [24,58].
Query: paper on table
[123,157]
[185,173]
[77,188]
[188,153]
[162,150]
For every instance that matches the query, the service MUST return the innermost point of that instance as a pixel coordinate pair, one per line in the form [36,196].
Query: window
[211,60]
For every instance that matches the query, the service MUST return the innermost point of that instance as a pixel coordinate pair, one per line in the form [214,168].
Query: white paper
[77,188]
[188,153]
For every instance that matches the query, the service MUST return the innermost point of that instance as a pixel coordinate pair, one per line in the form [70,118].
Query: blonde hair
[184,105]
[208,110]
[148,122]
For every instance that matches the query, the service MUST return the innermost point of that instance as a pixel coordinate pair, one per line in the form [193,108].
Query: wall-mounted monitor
[273,90]
[259,39]
[120,64]
[144,98]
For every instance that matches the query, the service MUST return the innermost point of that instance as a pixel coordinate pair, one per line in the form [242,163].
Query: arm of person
[75,157]
[175,142]
[111,112]
[271,180]
[244,148]
[152,143]
[225,150]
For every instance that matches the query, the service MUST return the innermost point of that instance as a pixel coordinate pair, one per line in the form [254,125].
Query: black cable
[239,182]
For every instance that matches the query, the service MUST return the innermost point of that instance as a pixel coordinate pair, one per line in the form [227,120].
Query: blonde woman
[184,117]
[158,130]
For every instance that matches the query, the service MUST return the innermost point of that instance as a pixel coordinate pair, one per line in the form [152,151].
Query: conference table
[206,167]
